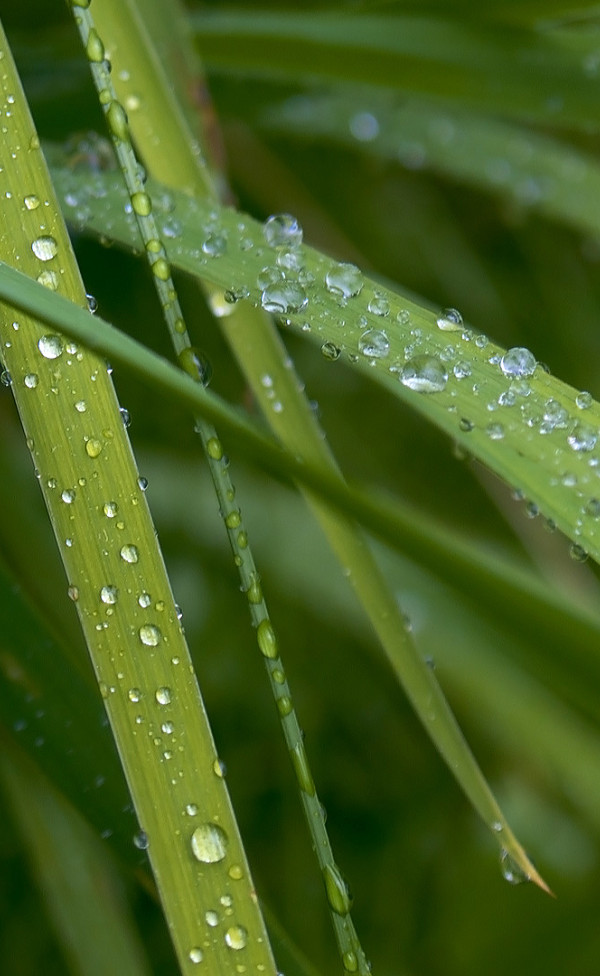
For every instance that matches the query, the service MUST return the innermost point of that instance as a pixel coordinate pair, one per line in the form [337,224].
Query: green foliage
[451,151]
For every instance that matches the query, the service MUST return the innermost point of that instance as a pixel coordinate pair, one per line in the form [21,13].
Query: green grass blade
[532,171]
[518,73]
[79,883]
[533,430]
[108,545]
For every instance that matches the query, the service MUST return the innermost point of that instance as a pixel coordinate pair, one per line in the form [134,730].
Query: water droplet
[142,484]
[511,871]
[31,201]
[215,245]
[163,695]
[379,305]
[109,594]
[302,769]
[593,508]
[196,955]
[364,126]
[45,248]
[73,593]
[344,280]
[282,230]
[219,768]
[211,918]
[338,894]
[350,962]
[194,362]
[150,635]
[141,840]
[236,937]
[462,370]
[450,320]
[80,406]
[68,496]
[144,599]
[584,400]
[209,843]
[134,695]
[582,438]
[495,432]
[555,415]
[128,553]
[578,553]
[374,344]
[93,447]
[31,380]
[284,297]
[330,351]
[518,362]
[50,346]
[425,374]
[267,641]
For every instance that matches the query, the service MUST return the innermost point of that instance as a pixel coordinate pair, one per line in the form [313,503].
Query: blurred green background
[429,895]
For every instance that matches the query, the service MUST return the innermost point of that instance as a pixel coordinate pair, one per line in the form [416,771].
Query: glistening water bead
[518,361]
[344,280]
[374,344]
[209,843]
[424,374]
[282,230]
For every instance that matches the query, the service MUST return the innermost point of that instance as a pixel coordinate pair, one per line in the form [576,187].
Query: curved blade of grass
[79,883]
[531,170]
[521,74]
[351,952]
[417,679]
[536,432]
[108,545]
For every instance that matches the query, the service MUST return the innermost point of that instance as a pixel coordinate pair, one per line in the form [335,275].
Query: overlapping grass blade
[109,549]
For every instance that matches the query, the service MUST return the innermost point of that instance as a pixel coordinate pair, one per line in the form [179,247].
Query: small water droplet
[209,843]
[73,593]
[194,362]
[80,406]
[150,635]
[109,594]
[163,695]
[31,380]
[374,344]
[134,695]
[211,918]
[425,374]
[344,280]
[196,955]
[518,361]
[129,553]
[236,937]
[379,305]
[215,245]
[582,438]
[93,447]
[141,840]
[450,320]
[282,230]
[338,894]
[284,297]
[219,768]
[68,496]
[45,248]
[267,641]
[577,553]
[511,871]
[31,201]
[330,351]
[50,346]
[584,400]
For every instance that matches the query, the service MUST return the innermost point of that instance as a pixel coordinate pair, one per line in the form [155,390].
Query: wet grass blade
[110,553]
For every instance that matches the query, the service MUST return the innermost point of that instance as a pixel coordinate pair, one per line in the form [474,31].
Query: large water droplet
[583,437]
[50,346]
[425,374]
[128,553]
[450,320]
[267,640]
[109,594]
[196,954]
[209,843]
[45,248]
[518,362]
[283,297]
[338,894]
[511,871]
[374,344]
[163,695]
[150,635]
[282,230]
[344,280]
[236,937]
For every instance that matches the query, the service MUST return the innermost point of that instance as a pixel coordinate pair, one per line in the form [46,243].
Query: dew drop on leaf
[236,937]
[425,374]
[344,280]
[50,346]
[518,361]
[450,320]
[129,553]
[45,248]
[282,230]
[150,635]
[209,843]
[374,344]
